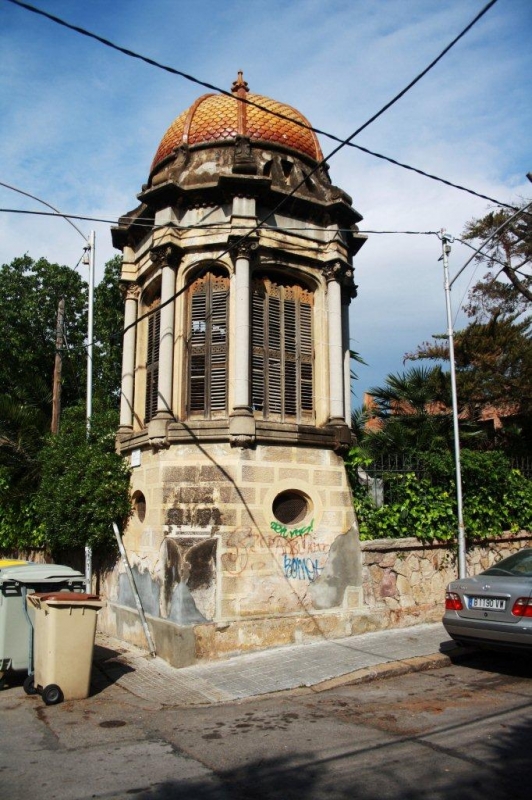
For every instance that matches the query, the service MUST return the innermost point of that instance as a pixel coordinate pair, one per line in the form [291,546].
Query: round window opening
[139,505]
[290,507]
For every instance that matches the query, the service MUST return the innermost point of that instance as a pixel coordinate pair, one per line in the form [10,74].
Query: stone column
[167,258]
[242,423]
[349,291]
[333,273]
[242,328]
[132,293]
[347,360]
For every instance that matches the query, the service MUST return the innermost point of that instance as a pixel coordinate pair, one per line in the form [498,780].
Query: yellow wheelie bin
[64,632]
[16,631]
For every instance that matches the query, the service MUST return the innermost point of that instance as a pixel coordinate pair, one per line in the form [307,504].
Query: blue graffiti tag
[301,568]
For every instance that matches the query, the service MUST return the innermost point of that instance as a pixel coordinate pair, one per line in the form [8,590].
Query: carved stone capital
[166,255]
[333,271]
[242,248]
[342,273]
[349,287]
[130,290]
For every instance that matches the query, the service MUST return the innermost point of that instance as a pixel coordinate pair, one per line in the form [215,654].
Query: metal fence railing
[380,477]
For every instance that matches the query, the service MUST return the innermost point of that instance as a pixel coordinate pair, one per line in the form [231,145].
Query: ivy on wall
[496,498]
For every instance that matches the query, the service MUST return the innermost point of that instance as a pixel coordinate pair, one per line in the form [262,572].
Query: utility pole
[58,365]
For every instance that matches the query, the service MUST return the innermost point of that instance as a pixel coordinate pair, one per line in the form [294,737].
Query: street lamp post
[446,249]
[91,250]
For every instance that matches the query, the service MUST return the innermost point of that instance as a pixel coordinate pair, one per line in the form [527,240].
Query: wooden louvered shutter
[257,349]
[218,346]
[274,389]
[198,351]
[152,366]
[306,358]
[282,366]
[208,340]
[290,392]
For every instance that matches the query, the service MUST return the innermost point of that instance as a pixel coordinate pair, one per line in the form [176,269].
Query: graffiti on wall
[302,569]
[291,533]
[300,555]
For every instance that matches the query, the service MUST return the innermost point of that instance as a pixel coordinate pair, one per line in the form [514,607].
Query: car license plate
[489,603]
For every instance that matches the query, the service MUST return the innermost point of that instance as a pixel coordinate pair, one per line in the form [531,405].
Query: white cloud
[81,124]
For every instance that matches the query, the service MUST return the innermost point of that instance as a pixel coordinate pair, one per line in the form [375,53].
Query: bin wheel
[52,694]
[29,685]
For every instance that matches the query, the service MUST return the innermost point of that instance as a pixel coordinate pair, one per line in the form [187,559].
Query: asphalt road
[462,732]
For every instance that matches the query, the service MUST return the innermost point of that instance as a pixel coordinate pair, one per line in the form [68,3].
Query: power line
[348,143]
[214,227]
[56,211]
[318,166]
[362,127]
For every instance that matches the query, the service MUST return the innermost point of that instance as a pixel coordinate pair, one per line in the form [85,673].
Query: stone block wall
[404,580]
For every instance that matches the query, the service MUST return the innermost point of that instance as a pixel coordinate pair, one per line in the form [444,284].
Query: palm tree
[411,414]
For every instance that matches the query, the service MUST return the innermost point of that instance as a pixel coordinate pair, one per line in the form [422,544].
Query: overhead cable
[318,166]
[56,213]
[300,123]
[200,228]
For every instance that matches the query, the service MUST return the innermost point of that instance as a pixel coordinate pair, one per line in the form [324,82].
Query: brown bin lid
[67,597]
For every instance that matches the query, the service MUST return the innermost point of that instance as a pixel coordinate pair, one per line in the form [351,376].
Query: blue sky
[81,123]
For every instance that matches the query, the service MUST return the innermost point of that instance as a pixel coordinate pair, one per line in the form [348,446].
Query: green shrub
[20,525]
[496,498]
[84,485]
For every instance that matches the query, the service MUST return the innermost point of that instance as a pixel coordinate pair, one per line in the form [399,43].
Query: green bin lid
[40,573]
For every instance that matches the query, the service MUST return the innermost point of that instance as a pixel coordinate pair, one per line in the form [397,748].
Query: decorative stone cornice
[166,255]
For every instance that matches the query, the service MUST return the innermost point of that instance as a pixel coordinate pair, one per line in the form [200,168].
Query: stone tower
[235,409]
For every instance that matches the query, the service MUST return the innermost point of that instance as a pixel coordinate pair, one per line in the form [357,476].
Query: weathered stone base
[183,646]
[403,585]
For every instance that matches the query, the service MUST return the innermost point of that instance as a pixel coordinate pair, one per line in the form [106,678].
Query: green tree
[108,325]
[509,253]
[84,483]
[29,296]
[494,376]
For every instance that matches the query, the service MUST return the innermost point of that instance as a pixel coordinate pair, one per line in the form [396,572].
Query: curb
[394,669]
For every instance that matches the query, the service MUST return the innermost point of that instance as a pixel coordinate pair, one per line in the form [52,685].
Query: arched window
[152,362]
[208,319]
[282,369]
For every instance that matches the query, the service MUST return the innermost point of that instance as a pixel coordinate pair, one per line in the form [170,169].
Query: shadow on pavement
[351,775]
[501,662]
[107,669]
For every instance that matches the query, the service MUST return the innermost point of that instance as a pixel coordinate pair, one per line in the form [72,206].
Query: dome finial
[240,86]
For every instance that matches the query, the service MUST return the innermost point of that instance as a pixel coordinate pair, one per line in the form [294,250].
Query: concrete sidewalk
[318,665]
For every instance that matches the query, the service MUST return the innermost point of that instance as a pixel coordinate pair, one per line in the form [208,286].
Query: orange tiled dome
[218,117]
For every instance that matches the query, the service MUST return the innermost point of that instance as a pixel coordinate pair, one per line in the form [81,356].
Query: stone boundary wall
[406,578]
